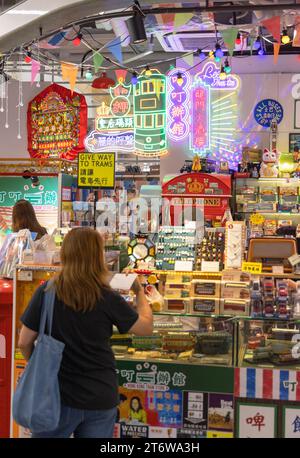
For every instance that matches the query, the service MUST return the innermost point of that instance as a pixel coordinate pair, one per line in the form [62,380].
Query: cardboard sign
[96,170]
[252,267]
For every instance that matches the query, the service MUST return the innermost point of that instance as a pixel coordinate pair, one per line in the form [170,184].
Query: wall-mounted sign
[96,170]
[113,123]
[200,133]
[150,115]
[178,114]
[57,123]
[210,75]
[266,110]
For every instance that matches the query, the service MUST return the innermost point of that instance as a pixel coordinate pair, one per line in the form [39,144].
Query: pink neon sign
[178,105]
[200,135]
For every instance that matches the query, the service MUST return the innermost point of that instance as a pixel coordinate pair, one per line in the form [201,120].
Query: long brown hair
[24,217]
[84,274]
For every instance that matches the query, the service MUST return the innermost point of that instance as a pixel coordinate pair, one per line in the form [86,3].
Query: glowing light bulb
[77,40]
[238,40]
[134,78]
[222,75]
[19,137]
[6,126]
[89,75]
[285,39]
[219,51]
[179,79]
[148,71]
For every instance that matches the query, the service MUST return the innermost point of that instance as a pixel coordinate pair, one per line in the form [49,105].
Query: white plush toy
[269,165]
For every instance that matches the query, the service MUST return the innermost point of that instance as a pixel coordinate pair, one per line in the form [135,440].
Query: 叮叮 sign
[96,170]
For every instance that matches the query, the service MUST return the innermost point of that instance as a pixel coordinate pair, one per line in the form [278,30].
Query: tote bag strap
[47,308]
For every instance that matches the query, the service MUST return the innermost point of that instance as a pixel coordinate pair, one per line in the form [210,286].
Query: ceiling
[162,44]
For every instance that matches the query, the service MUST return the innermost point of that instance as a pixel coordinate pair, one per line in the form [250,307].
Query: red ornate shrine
[56,123]
[215,189]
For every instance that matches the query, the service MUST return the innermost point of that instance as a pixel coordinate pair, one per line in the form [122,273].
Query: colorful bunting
[189,59]
[115,48]
[181,19]
[229,37]
[97,60]
[273,26]
[121,75]
[57,39]
[276,47]
[35,69]
[296,40]
[69,73]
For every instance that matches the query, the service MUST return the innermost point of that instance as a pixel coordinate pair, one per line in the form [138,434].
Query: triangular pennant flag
[181,19]
[273,26]
[121,75]
[115,48]
[69,73]
[229,36]
[276,51]
[296,39]
[97,60]
[57,39]
[189,59]
[35,69]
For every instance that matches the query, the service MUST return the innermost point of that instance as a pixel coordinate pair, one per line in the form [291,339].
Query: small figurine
[196,167]
[269,165]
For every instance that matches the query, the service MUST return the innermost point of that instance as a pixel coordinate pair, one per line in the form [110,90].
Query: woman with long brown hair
[24,217]
[85,310]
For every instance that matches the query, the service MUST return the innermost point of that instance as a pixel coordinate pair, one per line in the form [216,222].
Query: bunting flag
[69,73]
[276,52]
[35,69]
[166,19]
[121,75]
[296,39]
[189,59]
[273,26]
[229,37]
[115,48]
[97,60]
[181,19]
[57,39]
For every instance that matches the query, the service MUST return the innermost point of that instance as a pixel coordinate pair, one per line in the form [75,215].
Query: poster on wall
[291,422]
[266,111]
[195,405]
[56,123]
[256,421]
[220,412]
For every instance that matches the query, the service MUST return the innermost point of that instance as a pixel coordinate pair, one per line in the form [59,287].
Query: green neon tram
[150,115]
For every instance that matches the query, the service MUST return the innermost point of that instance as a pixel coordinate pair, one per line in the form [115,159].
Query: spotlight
[148,71]
[219,51]
[89,74]
[179,79]
[285,39]
[136,27]
[238,40]
[134,78]
[77,40]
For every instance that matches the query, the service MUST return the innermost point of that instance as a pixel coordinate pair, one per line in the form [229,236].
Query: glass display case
[181,338]
[268,343]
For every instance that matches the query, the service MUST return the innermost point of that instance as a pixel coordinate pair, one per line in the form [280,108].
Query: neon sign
[150,115]
[200,134]
[178,115]
[210,74]
[113,123]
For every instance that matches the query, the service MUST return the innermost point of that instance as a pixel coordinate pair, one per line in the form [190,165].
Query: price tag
[183,266]
[252,267]
[257,219]
[210,266]
[25,275]
[294,260]
[277,270]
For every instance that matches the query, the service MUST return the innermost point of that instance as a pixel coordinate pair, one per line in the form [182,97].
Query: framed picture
[294,142]
[297,114]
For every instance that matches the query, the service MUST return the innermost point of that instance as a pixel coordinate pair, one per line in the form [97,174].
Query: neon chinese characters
[178,115]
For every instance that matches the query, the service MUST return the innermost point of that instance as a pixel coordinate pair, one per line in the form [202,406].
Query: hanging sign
[96,170]
[200,134]
[266,110]
[56,123]
[178,117]
[113,123]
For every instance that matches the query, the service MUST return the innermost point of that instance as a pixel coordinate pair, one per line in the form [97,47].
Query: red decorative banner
[56,123]
[273,26]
